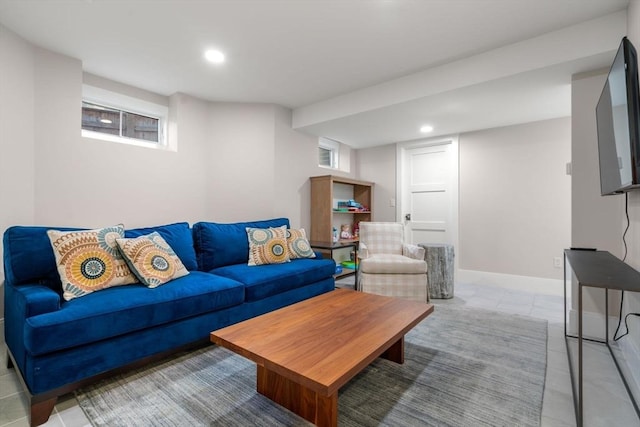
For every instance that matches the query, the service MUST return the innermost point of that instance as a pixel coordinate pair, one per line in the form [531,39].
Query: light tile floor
[606,403]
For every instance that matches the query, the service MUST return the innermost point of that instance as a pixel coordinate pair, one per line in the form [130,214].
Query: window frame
[334,148]
[127,104]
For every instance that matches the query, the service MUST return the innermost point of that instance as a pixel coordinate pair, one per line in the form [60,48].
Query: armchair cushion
[382,237]
[392,264]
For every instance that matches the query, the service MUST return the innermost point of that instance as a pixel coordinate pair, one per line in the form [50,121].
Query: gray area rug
[463,367]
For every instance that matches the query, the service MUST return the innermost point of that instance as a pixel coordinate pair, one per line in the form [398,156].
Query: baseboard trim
[511,281]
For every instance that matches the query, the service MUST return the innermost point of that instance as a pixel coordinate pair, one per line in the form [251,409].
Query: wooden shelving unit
[326,191]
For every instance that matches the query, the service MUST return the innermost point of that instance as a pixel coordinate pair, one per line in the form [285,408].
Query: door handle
[407,217]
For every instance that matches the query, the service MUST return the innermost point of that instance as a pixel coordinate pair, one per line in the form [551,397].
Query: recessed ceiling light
[426,129]
[106,121]
[214,56]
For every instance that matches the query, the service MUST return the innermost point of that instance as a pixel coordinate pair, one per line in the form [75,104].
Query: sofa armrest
[413,251]
[33,299]
[363,252]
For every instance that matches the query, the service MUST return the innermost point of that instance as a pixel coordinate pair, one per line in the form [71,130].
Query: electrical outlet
[392,202]
[557,262]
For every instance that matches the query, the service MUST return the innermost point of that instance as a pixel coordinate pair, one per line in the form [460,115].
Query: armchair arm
[363,252]
[413,251]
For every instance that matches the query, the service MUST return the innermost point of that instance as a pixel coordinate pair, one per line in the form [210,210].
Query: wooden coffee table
[305,352]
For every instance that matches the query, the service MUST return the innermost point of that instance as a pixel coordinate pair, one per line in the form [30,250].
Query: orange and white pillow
[151,259]
[89,260]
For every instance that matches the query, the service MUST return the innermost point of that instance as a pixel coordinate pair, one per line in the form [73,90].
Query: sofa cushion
[124,309]
[151,259]
[266,280]
[89,260]
[54,370]
[267,245]
[28,257]
[218,244]
[178,236]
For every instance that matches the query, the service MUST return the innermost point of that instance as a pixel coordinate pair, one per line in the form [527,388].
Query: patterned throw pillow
[267,245]
[298,244]
[151,259]
[89,260]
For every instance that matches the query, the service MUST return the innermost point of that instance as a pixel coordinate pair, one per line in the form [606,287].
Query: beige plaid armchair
[388,266]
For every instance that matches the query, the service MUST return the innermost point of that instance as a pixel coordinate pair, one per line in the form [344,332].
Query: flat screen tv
[618,121]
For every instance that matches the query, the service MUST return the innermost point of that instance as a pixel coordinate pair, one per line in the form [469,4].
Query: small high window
[112,121]
[328,153]
[119,118]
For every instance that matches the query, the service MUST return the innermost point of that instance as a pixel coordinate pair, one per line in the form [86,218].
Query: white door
[428,177]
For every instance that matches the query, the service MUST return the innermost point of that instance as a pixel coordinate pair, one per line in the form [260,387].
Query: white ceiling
[362,72]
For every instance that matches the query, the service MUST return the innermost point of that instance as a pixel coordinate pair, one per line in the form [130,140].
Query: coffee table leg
[320,410]
[395,353]
[327,410]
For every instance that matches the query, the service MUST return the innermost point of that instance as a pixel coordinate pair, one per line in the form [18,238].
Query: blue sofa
[58,346]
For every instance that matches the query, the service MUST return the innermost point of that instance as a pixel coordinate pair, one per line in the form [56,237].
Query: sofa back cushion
[219,244]
[28,256]
[177,235]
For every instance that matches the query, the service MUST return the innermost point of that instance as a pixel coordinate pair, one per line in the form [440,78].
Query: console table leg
[580,395]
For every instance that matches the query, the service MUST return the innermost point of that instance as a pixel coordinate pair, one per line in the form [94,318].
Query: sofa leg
[9,361]
[41,411]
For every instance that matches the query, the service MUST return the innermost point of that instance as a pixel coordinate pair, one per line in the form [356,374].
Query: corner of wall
[17,140]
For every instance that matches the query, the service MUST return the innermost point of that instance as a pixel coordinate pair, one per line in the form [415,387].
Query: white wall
[90,183]
[17,162]
[515,198]
[296,159]
[258,167]
[240,159]
[378,164]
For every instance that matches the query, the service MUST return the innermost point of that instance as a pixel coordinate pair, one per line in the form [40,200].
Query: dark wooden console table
[596,269]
